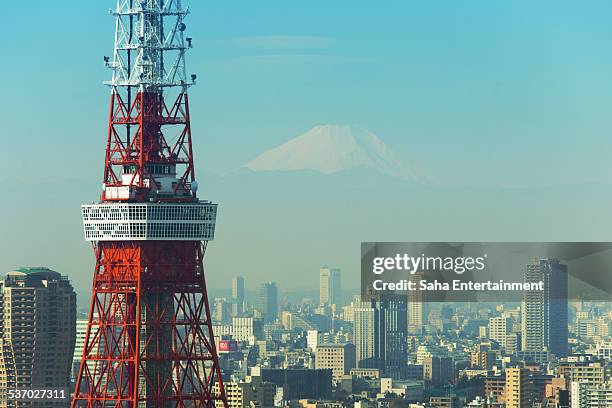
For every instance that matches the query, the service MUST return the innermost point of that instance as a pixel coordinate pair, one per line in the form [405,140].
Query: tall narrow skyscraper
[237,296]
[269,301]
[380,331]
[238,289]
[329,286]
[38,331]
[416,306]
[544,313]
[394,332]
[366,333]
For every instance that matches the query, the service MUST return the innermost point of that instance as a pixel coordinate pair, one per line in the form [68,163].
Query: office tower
[438,370]
[269,302]
[238,289]
[329,286]
[394,334]
[340,358]
[38,332]
[544,313]
[237,296]
[416,307]
[517,392]
[380,334]
[366,333]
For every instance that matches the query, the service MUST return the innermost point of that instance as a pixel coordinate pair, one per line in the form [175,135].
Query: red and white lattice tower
[149,340]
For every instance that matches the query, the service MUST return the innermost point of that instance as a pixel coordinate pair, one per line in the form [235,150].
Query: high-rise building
[499,328]
[329,286]
[544,313]
[380,334]
[81,332]
[366,333]
[238,298]
[416,307]
[517,390]
[340,358]
[269,301]
[238,289]
[37,334]
[394,334]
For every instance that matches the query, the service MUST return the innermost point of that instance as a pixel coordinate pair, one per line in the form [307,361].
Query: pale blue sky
[480,93]
[454,86]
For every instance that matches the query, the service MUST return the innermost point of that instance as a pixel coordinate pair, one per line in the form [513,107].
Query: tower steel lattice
[149,340]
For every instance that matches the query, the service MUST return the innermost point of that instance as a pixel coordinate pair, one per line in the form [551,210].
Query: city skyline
[412,365]
[271,237]
[499,100]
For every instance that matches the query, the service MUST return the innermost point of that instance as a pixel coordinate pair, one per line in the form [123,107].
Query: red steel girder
[149,337]
[139,134]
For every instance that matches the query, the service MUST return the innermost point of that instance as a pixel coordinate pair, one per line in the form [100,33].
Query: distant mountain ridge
[329,149]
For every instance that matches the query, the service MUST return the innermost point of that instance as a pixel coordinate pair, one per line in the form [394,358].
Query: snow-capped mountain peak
[330,149]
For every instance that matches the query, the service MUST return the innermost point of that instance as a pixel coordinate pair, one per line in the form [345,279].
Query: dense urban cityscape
[345,351]
[149,332]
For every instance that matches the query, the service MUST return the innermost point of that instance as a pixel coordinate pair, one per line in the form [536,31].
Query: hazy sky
[454,85]
[522,89]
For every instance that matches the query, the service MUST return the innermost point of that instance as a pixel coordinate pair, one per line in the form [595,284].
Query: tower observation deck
[149,340]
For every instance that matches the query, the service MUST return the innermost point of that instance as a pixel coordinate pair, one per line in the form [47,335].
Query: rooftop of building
[335,345]
[32,276]
[32,269]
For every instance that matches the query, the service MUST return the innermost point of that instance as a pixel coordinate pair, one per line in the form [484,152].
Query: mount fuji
[330,149]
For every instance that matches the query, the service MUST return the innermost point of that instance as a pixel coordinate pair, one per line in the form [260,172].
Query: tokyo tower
[149,340]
